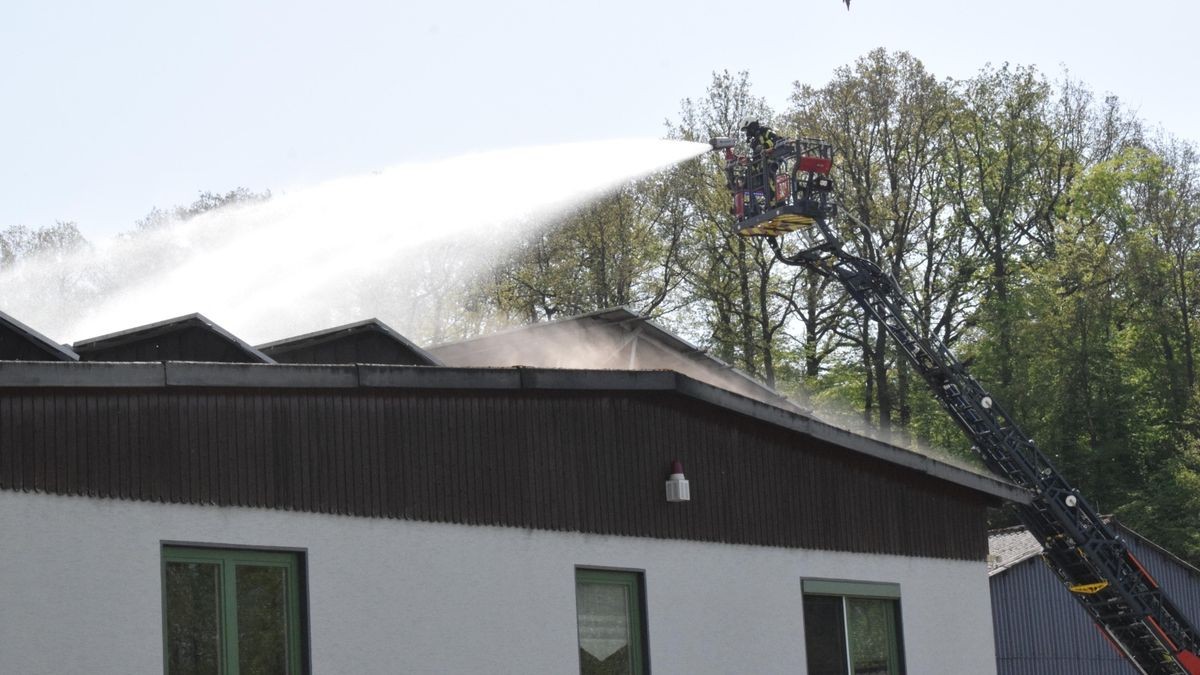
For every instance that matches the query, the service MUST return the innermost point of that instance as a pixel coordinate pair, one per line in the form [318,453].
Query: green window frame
[231,611]
[852,628]
[611,622]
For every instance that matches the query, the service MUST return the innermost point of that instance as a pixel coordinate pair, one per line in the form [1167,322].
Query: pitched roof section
[1012,546]
[19,342]
[614,338]
[369,341]
[186,338]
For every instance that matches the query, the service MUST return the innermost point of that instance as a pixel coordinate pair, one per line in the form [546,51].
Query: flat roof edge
[80,374]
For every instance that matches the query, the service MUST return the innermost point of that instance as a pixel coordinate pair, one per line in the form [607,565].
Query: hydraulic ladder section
[1090,559]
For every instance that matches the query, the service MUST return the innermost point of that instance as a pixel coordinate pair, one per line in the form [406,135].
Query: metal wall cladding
[1180,581]
[1040,628]
[590,462]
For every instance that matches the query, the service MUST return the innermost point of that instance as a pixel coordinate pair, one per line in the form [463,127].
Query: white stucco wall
[80,591]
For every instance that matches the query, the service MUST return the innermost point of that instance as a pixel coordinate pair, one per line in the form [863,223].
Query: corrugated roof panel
[1009,547]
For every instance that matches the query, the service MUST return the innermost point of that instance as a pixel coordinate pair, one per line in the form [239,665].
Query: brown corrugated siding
[581,461]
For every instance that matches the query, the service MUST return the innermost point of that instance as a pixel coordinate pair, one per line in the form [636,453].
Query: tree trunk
[812,364]
[1185,312]
[883,390]
[764,325]
[1004,327]
[868,371]
[749,355]
[903,377]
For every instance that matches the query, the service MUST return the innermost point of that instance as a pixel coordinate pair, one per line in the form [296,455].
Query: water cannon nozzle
[721,142]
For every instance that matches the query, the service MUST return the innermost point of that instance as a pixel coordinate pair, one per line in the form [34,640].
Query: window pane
[824,635]
[193,619]
[872,636]
[262,614]
[604,629]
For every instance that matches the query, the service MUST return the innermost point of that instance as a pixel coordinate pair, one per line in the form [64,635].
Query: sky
[110,109]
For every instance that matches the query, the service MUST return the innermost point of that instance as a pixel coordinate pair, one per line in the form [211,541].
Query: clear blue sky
[110,108]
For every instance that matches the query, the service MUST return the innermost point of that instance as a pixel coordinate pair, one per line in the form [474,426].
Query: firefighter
[762,141]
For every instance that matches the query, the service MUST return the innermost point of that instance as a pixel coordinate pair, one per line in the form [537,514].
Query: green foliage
[617,251]
[1167,510]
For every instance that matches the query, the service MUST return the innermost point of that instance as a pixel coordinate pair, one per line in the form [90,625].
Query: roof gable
[186,338]
[19,342]
[1012,546]
[369,341]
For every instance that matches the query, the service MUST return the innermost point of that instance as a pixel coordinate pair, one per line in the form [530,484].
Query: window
[852,628]
[611,625]
[231,612]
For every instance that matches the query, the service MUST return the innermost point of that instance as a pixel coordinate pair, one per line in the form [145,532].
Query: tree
[207,201]
[621,250]
[22,243]
[886,117]
[744,297]
[1004,180]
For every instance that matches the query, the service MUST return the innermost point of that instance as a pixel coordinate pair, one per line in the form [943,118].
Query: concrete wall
[80,591]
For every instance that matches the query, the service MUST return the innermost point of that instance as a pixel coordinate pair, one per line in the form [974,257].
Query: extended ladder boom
[1091,560]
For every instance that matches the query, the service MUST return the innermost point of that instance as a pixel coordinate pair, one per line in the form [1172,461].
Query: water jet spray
[330,253]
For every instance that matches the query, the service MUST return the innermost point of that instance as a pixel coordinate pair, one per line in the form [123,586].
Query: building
[1040,628]
[188,510]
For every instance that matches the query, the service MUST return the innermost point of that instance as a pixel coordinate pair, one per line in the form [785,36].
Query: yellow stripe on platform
[1089,589]
[781,224]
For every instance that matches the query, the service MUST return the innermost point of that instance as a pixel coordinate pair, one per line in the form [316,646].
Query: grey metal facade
[1040,629]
